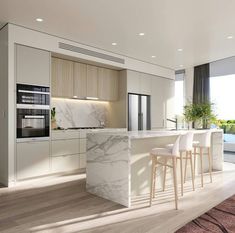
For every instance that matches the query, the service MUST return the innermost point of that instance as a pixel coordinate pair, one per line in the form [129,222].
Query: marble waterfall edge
[108,167]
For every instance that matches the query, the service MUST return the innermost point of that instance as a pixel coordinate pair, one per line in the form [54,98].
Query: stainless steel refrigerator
[138,112]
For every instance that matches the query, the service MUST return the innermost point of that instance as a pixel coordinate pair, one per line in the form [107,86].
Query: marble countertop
[93,130]
[149,133]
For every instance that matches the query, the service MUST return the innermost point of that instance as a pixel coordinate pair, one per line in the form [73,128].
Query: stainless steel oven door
[33,123]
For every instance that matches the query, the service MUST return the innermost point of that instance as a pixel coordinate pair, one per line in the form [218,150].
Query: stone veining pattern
[108,167]
[80,113]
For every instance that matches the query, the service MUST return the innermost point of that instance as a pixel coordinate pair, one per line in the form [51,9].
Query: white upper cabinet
[32,66]
[138,83]
[162,102]
[133,83]
[145,83]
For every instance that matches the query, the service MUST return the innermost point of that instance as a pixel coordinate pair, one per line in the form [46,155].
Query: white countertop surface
[149,133]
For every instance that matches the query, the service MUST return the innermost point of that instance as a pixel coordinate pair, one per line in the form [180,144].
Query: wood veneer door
[107,84]
[92,81]
[62,78]
[80,80]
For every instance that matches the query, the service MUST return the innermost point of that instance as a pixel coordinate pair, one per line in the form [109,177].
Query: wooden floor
[60,204]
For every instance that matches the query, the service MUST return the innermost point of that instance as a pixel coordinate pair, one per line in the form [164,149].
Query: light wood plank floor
[60,204]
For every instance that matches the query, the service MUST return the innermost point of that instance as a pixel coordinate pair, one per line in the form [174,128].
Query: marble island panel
[118,162]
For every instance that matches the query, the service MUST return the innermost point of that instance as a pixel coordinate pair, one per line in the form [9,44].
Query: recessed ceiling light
[229,37]
[141,34]
[153,56]
[179,50]
[114,43]
[39,20]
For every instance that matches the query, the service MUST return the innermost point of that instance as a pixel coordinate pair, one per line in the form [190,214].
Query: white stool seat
[195,143]
[170,146]
[162,151]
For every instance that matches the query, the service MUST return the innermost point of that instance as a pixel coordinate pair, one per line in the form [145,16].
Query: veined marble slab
[119,165]
[108,167]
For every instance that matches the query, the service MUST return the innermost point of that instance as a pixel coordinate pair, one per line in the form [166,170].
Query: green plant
[53,114]
[227,125]
[202,113]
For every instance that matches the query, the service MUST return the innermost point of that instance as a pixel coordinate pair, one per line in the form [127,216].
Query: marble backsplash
[80,113]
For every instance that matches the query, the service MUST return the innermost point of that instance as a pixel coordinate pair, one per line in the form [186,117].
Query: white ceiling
[199,27]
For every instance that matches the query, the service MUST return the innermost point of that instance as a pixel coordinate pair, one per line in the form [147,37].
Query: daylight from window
[222,91]
[179,97]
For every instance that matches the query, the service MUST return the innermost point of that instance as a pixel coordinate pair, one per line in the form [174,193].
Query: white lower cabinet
[65,163]
[65,147]
[82,161]
[32,159]
[68,150]
[82,145]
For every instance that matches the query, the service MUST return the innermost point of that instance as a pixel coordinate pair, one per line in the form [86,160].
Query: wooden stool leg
[175,182]
[181,173]
[194,164]
[210,163]
[192,173]
[185,168]
[164,176]
[201,166]
[152,178]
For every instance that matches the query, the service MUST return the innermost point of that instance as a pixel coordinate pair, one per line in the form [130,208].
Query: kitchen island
[119,165]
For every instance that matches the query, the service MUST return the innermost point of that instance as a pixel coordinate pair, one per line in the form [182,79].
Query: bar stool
[167,154]
[185,147]
[203,143]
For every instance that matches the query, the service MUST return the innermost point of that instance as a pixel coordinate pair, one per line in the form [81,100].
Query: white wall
[4,105]
[222,67]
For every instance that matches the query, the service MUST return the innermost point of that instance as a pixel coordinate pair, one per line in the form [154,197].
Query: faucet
[174,121]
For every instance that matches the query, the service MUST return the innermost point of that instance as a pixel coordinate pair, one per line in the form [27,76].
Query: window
[179,92]
[222,91]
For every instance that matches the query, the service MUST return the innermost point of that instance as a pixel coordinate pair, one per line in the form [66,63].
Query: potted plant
[53,118]
[200,114]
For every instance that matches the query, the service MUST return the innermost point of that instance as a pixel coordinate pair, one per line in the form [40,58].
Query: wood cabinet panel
[80,80]
[107,84]
[32,66]
[92,81]
[62,78]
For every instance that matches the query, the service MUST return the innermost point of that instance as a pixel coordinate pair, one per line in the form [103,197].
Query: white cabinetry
[65,163]
[138,83]
[68,150]
[32,66]
[162,101]
[32,159]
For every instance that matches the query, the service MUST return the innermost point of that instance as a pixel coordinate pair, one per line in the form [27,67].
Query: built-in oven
[33,123]
[33,112]
[33,95]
